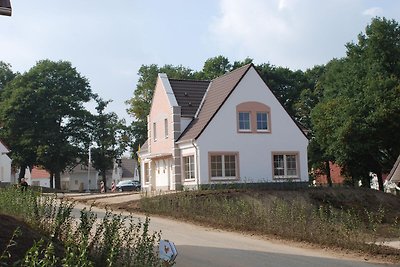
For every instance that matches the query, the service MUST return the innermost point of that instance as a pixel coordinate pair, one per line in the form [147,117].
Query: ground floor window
[188,167]
[146,173]
[223,165]
[286,165]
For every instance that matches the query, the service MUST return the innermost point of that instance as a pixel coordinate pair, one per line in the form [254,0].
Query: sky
[108,41]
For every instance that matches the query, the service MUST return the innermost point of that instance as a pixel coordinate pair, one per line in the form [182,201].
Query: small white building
[228,130]
[5,165]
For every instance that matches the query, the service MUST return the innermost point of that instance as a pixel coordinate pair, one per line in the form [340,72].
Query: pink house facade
[228,130]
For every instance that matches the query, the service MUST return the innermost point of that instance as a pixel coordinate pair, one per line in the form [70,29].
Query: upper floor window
[253,117]
[262,121]
[154,131]
[244,121]
[166,128]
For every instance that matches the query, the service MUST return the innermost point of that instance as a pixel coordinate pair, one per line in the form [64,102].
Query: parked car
[128,185]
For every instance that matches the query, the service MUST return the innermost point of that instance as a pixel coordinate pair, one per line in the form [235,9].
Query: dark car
[128,185]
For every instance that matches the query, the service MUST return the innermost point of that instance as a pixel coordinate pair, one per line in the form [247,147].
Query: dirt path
[203,246]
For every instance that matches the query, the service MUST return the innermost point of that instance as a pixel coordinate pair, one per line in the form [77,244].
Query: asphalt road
[201,246]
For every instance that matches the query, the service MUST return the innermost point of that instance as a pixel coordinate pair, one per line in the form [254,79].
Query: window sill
[223,178]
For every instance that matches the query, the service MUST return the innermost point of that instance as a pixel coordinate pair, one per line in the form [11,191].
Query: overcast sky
[108,41]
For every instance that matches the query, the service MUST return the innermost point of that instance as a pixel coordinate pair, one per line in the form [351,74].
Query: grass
[339,218]
[113,241]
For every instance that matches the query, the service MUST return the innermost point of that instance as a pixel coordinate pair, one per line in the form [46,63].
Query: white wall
[5,165]
[5,168]
[255,159]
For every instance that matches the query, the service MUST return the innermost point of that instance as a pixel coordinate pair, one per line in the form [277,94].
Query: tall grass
[115,240]
[295,219]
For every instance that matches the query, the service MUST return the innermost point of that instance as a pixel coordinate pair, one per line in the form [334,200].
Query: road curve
[201,246]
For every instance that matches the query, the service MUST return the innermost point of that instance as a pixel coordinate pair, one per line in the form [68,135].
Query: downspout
[196,163]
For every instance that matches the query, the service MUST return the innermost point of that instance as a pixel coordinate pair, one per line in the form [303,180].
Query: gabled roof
[394,175]
[128,166]
[7,150]
[39,173]
[218,91]
[188,94]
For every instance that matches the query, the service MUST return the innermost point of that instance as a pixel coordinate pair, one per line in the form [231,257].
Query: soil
[24,241]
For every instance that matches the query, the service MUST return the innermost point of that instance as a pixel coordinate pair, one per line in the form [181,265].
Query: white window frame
[239,121]
[146,172]
[189,167]
[285,161]
[266,121]
[154,131]
[223,156]
[166,128]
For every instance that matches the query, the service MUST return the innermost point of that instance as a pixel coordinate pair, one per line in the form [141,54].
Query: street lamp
[88,172]
[5,7]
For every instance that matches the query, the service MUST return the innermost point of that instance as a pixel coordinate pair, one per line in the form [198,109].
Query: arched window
[253,117]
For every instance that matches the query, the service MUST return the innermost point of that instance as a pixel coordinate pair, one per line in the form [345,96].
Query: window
[166,128]
[188,165]
[285,166]
[146,173]
[253,117]
[224,166]
[262,121]
[154,131]
[244,121]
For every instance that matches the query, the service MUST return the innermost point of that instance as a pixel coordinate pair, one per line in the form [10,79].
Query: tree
[110,138]
[360,110]
[214,67]
[6,74]
[44,118]
[286,84]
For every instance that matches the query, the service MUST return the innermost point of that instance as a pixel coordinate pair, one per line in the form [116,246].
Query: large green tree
[6,74]
[44,118]
[286,84]
[110,138]
[360,111]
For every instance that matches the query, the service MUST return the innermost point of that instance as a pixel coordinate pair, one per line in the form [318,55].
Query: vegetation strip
[115,240]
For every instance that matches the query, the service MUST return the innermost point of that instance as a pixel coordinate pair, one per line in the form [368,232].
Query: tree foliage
[360,111]
[43,116]
[6,74]
[110,138]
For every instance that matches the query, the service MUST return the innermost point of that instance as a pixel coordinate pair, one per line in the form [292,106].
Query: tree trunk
[51,180]
[328,173]
[57,180]
[104,179]
[380,180]
[22,173]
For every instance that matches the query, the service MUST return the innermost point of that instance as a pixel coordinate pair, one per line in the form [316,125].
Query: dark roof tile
[218,91]
[188,94]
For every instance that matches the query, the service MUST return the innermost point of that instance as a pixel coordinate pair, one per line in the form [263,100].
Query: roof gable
[216,95]
[162,93]
[189,94]
[394,174]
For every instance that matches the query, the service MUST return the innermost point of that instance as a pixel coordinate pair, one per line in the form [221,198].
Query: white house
[5,164]
[228,130]
[392,183]
[125,169]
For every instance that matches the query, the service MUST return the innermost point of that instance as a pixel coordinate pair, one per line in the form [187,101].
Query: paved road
[201,246]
